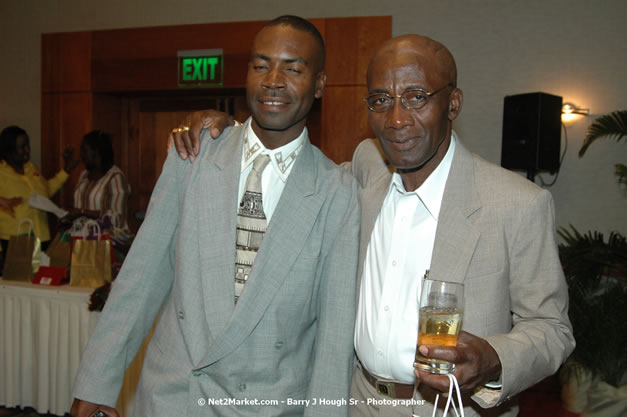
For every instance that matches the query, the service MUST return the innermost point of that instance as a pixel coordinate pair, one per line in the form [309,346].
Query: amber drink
[440,319]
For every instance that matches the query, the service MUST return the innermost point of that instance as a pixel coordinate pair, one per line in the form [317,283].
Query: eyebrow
[408,88]
[285,60]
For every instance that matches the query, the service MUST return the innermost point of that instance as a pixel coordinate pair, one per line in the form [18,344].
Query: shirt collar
[431,191]
[281,159]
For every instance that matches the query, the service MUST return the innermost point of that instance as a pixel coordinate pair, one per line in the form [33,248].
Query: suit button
[242,387]
[181,315]
[197,373]
[278,345]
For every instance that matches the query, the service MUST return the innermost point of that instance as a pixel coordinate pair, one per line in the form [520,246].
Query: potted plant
[596,274]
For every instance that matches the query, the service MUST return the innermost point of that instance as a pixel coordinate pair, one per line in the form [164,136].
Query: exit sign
[200,68]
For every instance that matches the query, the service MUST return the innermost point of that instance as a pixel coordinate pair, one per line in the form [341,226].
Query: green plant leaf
[596,274]
[621,173]
[613,125]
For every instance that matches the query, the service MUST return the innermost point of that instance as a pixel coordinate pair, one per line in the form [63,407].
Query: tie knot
[260,163]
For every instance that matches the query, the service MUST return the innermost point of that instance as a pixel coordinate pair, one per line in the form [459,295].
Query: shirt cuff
[487,397]
[494,384]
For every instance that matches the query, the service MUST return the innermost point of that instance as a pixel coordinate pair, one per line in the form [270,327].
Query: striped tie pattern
[251,225]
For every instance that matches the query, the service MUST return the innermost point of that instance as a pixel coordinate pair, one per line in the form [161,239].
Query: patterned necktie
[251,225]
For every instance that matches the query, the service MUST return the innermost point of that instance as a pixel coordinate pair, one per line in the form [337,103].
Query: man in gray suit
[446,210]
[463,219]
[285,347]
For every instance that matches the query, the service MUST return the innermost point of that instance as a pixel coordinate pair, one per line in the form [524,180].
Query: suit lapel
[371,199]
[288,230]
[216,187]
[456,237]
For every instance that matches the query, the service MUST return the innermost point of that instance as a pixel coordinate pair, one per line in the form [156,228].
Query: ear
[455,103]
[321,82]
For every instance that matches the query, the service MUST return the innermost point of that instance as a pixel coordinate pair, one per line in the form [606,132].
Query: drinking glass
[441,306]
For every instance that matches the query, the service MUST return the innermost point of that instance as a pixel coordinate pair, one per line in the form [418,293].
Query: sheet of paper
[40,202]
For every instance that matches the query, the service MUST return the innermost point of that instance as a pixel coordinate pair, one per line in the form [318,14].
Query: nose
[398,116]
[273,79]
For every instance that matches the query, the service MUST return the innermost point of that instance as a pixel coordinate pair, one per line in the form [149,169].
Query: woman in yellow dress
[19,178]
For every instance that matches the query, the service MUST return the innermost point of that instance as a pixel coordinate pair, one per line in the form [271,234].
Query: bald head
[416,79]
[424,49]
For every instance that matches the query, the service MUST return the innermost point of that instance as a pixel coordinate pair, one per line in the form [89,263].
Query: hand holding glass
[441,306]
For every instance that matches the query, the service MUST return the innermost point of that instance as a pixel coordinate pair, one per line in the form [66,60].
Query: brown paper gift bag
[60,250]
[91,259]
[23,254]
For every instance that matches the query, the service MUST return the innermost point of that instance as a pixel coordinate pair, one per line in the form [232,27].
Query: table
[43,331]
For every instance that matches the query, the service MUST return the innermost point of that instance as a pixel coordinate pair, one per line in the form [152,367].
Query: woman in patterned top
[102,188]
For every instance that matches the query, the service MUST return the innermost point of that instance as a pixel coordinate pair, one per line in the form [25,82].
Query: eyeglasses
[412,99]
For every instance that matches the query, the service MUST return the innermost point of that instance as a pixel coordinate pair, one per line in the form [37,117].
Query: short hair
[304,25]
[102,143]
[8,140]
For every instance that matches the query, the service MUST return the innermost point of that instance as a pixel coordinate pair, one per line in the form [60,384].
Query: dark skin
[284,76]
[93,164]
[18,159]
[414,141]
[8,204]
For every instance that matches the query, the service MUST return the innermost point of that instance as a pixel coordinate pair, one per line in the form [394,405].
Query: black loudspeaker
[531,133]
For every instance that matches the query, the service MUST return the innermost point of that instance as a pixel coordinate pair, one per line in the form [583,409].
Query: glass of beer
[441,305]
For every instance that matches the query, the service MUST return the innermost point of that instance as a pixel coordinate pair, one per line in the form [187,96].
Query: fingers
[436,382]
[476,362]
[446,353]
[105,411]
[82,408]
[186,137]
[180,137]
[215,121]
[108,411]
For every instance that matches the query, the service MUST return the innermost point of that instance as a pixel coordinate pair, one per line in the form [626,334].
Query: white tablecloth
[43,331]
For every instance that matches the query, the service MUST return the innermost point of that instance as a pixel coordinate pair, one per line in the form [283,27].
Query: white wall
[575,49]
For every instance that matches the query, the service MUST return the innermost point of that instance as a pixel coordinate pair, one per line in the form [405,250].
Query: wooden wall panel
[345,124]
[66,62]
[50,128]
[108,118]
[131,158]
[350,45]
[66,117]
[144,59]
[119,80]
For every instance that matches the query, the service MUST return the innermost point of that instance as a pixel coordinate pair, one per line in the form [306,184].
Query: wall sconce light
[570,112]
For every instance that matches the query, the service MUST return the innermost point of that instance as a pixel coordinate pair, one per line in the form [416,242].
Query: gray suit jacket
[290,337]
[496,234]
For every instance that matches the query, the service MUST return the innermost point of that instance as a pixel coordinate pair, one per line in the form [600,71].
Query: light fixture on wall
[571,111]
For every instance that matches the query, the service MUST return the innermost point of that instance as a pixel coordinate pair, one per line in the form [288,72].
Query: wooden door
[144,145]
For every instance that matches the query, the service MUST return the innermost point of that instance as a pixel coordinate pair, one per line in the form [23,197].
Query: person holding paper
[20,178]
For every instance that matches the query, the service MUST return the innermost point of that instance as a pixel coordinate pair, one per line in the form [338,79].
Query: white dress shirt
[272,180]
[399,253]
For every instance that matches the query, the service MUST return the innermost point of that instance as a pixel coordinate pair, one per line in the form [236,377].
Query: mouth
[402,144]
[272,103]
